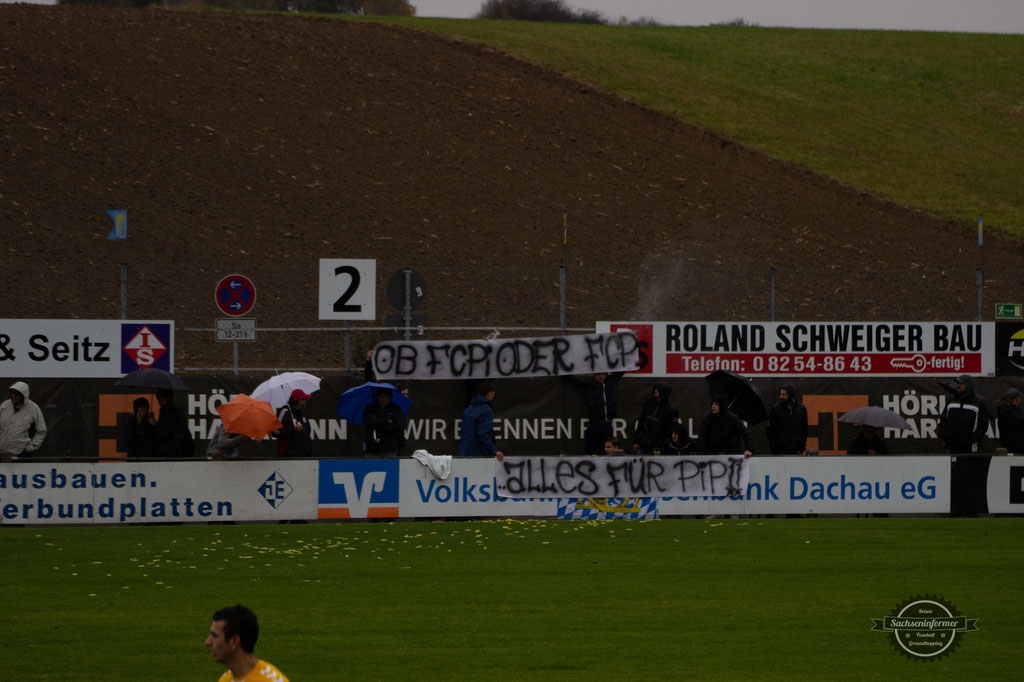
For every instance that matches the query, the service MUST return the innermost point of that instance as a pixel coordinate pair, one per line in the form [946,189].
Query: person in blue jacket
[477,432]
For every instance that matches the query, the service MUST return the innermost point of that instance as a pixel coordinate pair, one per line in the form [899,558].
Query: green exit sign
[1008,311]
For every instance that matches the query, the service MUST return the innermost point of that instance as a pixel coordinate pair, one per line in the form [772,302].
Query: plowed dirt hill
[261,144]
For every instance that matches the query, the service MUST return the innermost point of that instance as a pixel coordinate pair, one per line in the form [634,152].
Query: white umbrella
[278,389]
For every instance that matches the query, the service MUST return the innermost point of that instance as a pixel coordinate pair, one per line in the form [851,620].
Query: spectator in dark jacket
[139,432]
[370,376]
[1011,422]
[654,425]
[602,407]
[724,433]
[679,442]
[867,442]
[477,433]
[964,422]
[172,436]
[787,424]
[294,438]
[384,426]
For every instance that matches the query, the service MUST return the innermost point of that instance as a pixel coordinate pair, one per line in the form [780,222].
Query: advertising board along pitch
[814,348]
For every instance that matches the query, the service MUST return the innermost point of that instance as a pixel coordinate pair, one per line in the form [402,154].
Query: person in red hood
[294,439]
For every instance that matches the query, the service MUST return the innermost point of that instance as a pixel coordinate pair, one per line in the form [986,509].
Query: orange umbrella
[254,418]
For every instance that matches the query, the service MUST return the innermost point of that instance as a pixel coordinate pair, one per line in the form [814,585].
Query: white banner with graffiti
[506,358]
[565,477]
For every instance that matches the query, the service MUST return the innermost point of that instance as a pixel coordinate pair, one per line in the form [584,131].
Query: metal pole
[564,445]
[980,284]
[235,353]
[980,274]
[67,414]
[124,290]
[561,298]
[771,296]
[348,341]
[407,310]
[563,270]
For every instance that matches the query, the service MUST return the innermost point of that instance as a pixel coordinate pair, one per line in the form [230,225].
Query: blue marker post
[120,231]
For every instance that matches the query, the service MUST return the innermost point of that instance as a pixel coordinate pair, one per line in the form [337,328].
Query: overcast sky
[973,16]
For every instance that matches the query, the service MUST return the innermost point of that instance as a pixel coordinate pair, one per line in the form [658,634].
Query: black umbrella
[152,378]
[739,395]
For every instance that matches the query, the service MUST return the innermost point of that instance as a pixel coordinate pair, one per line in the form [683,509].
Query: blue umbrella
[354,401]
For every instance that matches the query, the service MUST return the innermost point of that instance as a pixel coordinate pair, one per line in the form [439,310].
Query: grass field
[929,120]
[511,600]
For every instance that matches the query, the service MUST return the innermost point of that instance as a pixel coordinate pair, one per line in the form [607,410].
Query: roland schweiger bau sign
[84,349]
[865,349]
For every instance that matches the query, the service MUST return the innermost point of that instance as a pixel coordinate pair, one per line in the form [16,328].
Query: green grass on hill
[511,600]
[929,120]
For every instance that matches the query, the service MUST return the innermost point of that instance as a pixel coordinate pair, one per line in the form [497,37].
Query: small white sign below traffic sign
[232,329]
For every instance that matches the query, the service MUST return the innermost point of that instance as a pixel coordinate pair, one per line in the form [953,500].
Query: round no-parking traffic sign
[235,295]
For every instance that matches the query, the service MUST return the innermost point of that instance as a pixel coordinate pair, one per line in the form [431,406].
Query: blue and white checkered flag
[602,509]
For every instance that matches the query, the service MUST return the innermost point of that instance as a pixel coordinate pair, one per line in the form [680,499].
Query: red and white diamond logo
[145,348]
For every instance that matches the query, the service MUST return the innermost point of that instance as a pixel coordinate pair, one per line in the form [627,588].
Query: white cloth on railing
[439,465]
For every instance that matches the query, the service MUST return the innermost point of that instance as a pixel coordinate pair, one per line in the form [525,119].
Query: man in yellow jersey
[231,641]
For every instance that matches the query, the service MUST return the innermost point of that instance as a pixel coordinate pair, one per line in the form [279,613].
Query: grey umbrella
[878,417]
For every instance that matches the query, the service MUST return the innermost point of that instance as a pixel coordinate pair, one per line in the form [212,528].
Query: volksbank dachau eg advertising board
[779,349]
[84,349]
[269,490]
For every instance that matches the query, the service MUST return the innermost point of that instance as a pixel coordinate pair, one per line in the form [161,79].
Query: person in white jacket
[22,427]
